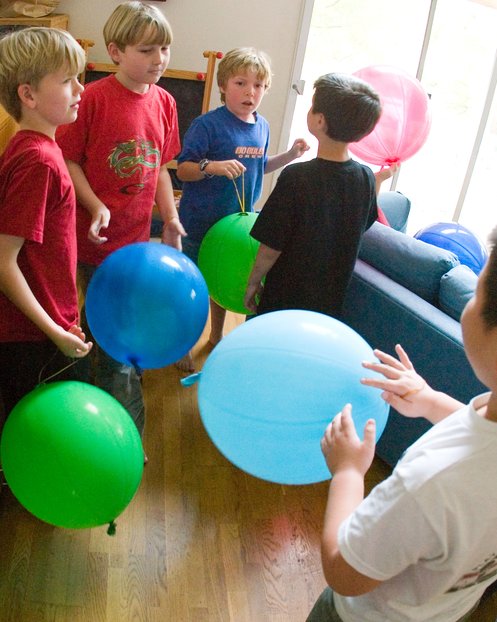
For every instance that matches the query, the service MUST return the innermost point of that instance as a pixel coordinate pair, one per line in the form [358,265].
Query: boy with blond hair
[117,153]
[39,319]
[218,148]
[423,544]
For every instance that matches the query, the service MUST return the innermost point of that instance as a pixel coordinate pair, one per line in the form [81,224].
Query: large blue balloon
[147,305]
[269,389]
[455,238]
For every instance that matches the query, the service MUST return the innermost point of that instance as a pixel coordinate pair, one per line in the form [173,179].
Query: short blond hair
[134,22]
[240,61]
[30,54]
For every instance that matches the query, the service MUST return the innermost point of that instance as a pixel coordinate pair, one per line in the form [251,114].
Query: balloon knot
[138,369]
[111,529]
[191,379]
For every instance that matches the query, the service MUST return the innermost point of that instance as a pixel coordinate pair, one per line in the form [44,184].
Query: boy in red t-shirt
[117,153]
[39,331]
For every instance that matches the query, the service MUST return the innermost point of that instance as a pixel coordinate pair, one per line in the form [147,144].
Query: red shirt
[120,139]
[37,203]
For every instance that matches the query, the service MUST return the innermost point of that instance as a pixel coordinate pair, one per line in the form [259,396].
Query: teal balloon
[71,455]
[226,258]
[270,387]
[147,305]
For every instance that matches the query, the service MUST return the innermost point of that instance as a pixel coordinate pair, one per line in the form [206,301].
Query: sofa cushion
[412,263]
[457,287]
[396,207]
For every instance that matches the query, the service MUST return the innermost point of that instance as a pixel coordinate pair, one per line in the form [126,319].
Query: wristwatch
[202,164]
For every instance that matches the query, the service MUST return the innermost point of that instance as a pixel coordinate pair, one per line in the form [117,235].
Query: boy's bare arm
[348,459]
[190,171]
[385,173]
[172,229]
[405,390]
[14,285]
[275,162]
[265,260]
[100,214]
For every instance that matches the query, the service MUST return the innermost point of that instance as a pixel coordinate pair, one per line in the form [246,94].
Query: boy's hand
[225,168]
[298,148]
[254,291]
[99,220]
[342,448]
[172,232]
[72,342]
[403,388]
[386,172]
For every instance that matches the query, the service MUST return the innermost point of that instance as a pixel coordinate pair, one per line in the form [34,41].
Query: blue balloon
[271,386]
[147,305]
[457,239]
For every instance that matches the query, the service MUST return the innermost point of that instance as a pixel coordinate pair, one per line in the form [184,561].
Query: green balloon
[226,258]
[72,455]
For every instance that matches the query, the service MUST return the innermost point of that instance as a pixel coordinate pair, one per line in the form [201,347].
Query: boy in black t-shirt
[311,226]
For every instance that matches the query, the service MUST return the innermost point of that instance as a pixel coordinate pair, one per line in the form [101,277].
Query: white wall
[198,25]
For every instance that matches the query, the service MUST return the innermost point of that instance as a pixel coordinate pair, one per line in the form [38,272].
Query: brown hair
[350,106]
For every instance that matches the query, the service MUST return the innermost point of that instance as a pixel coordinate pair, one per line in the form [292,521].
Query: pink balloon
[405,120]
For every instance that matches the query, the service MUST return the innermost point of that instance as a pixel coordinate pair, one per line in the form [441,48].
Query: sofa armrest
[385,313]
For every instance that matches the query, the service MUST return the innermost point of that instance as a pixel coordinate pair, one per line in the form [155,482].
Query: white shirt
[428,532]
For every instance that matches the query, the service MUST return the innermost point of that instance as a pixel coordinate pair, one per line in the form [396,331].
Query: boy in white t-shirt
[423,545]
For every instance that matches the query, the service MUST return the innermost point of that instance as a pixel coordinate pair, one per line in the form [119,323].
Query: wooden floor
[200,542]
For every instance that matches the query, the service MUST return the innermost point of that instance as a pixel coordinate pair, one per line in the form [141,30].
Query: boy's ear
[25,93]
[114,53]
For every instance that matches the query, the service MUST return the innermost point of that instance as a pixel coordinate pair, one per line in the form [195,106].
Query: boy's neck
[329,149]
[248,118]
[34,124]
[490,412]
[136,87]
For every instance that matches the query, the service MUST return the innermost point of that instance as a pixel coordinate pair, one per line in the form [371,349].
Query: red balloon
[405,120]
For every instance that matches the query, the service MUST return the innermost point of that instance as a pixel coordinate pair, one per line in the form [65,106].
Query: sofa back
[433,273]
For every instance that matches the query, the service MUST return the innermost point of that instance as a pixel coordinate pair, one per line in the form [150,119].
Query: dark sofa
[409,292]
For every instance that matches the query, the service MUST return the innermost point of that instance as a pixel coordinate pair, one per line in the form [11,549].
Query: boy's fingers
[370,432]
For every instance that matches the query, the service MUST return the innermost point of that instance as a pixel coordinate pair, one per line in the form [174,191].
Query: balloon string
[241,200]
[40,380]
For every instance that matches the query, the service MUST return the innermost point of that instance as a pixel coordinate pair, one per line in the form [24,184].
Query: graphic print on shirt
[134,158]
[482,572]
[249,152]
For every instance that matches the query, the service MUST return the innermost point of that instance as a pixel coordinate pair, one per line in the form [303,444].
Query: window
[450,46]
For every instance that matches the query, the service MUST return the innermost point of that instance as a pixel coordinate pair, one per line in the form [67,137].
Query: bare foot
[186,363]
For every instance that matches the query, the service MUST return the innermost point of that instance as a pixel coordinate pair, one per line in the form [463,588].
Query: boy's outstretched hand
[342,448]
[405,390]
[298,148]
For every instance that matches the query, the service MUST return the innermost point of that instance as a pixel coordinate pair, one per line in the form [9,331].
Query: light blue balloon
[270,387]
[147,305]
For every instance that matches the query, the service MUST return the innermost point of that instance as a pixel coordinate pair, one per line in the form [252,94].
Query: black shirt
[315,216]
